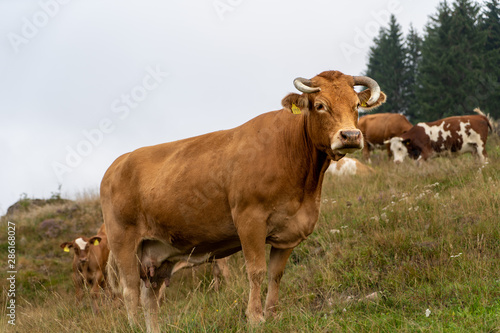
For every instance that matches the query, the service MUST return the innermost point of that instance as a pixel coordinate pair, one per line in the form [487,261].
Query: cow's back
[382,126]
[457,134]
[453,133]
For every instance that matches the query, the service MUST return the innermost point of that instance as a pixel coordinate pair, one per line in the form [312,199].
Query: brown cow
[89,264]
[261,184]
[459,134]
[379,127]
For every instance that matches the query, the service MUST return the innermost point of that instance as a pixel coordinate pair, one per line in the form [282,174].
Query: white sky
[76,89]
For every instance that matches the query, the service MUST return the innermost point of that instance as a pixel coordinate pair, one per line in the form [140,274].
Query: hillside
[408,249]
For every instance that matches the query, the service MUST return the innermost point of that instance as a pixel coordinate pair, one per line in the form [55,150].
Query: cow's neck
[304,161]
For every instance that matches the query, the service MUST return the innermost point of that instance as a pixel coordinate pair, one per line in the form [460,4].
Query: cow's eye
[320,107]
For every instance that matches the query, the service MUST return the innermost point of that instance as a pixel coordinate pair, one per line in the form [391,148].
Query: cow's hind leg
[277,263]
[481,153]
[125,256]
[150,298]
[154,281]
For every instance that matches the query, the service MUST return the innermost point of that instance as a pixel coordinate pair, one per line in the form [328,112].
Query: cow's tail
[478,111]
[113,274]
[488,117]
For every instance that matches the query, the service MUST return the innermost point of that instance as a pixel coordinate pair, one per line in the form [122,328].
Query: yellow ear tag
[66,248]
[96,242]
[295,109]
[363,104]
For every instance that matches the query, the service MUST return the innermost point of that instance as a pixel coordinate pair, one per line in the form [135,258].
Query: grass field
[408,249]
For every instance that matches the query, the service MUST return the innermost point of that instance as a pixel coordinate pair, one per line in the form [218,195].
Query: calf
[89,263]
[349,166]
[460,134]
[379,127]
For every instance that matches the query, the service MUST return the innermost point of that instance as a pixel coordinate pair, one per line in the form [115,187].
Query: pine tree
[413,57]
[451,61]
[386,65]
[489,99]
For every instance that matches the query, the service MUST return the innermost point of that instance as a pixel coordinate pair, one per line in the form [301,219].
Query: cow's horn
[370,83]
[304,85]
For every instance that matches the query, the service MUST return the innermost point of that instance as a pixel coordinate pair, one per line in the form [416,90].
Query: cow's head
[81,246]
[330,105]
[403,147]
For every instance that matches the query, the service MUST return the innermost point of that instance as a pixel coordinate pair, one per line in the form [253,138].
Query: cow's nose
[351,137]
[83,259]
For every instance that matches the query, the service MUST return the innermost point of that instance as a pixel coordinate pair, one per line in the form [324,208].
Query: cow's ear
[406,142]
[95,240]
[365,95]
[66,246]
[295,103]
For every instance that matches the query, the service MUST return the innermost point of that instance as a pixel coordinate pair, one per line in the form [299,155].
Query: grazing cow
[460,134]
[379,127]
[349,166]
[89,263]
[261,183]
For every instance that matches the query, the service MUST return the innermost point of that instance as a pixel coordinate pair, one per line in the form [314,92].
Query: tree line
[450,70]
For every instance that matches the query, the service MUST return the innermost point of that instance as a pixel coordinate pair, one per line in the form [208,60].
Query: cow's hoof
[255,319]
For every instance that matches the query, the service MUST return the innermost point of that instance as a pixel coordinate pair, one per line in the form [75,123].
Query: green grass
[420,237]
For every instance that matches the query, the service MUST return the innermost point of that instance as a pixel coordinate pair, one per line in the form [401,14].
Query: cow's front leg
[79,285]
[220,271]
[277,263]
[95,291]
[252,233]
[366,152]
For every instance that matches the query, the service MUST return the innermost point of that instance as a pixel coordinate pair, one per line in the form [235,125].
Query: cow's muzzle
[351,138]
[347,141]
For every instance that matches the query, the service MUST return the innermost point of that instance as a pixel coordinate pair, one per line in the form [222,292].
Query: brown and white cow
[89,264]
[349,166]
[378,128]
[261,184]
[459,134]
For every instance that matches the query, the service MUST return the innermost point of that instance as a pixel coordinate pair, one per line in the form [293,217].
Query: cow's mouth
[347,150]
[337,154]
[346,142]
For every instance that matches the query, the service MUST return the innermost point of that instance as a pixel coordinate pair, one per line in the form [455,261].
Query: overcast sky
[82,82]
